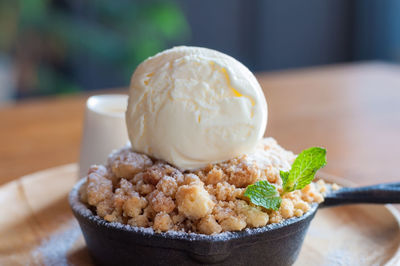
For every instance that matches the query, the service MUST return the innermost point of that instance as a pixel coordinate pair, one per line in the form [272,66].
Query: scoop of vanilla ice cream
[192,106]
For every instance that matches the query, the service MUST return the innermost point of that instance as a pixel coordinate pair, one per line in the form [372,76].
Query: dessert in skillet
[198,161]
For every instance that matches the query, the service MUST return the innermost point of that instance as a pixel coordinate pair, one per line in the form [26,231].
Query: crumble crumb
[137,190]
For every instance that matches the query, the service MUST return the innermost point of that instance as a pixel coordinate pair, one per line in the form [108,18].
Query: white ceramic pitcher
[104,129]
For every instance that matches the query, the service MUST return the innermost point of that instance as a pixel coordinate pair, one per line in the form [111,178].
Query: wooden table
[352,110]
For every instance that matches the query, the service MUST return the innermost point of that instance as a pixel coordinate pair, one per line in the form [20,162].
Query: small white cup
[104,129]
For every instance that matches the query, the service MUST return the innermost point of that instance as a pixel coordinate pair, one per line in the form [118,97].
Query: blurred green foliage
[52,41]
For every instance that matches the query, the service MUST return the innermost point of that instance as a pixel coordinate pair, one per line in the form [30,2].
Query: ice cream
[192,106]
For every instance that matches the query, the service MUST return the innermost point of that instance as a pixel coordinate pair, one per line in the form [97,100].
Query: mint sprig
[303,170]
[307,163]
[263,194]
[284,176]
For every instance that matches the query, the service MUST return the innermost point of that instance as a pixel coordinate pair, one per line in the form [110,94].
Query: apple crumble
[140,191]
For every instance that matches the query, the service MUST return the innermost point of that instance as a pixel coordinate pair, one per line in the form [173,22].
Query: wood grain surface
[41,133]
[37,228]
[352,110]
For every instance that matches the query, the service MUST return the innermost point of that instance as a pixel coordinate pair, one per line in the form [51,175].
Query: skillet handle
[382,193]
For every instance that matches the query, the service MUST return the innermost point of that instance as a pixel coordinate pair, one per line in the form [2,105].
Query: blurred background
[53,47]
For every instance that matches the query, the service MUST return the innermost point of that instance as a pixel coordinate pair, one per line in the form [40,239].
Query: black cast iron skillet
[274,244]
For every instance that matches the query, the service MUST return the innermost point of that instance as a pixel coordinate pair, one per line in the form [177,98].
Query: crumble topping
[140,191]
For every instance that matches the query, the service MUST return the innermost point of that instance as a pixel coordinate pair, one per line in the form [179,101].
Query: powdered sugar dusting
[343,257]
[274,155]
[54,250]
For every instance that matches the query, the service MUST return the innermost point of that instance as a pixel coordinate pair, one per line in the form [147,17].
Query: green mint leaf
[284,176]
[307,163]
[263,194]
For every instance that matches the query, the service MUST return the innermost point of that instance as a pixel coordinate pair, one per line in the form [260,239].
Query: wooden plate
[37,227]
